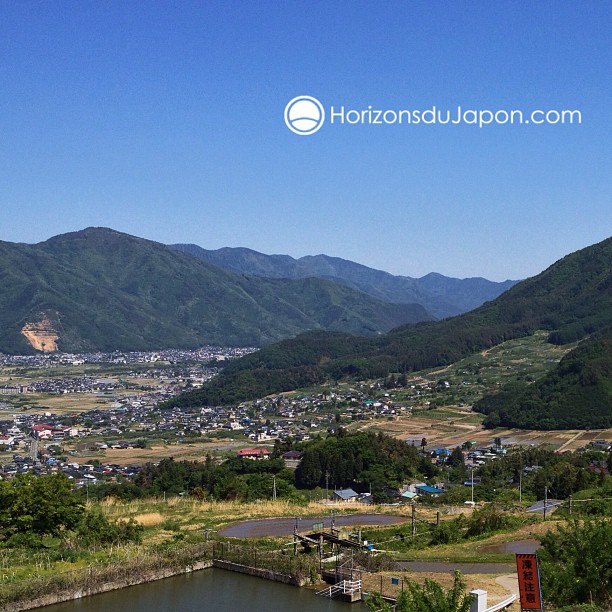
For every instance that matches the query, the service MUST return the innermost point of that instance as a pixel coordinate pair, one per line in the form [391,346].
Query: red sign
[529,581]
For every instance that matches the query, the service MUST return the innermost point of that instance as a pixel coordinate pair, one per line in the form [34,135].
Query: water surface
[517,547]
[206,590]
[284,526]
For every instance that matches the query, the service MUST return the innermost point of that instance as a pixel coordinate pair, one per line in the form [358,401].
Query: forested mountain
[576,394]
[440,295]
[571,299]
[99,289]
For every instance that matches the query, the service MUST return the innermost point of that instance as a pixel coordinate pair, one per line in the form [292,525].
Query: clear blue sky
[164,119]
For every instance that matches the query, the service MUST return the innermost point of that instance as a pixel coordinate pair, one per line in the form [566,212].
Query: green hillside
[104,290]
[571,299]
[576,394]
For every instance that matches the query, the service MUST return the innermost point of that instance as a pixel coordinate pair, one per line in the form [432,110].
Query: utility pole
[273,487]
[413,519]
[472,483]
[521,485]
[327,485]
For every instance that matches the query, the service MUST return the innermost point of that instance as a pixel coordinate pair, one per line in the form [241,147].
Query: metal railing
[502,604]
[344,587]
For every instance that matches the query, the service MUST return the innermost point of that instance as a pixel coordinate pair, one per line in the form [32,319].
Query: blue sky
[165,120]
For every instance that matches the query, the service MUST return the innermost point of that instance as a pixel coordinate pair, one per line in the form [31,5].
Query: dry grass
[189,511]
[195,451]
[149,519]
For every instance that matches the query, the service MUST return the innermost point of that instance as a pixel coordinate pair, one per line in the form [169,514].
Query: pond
[285,526]
[517,547]
[210,589]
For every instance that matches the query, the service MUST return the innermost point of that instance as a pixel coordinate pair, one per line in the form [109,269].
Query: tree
[95,528]
[308,473]
[576,563]
[38,506]
[429,597]
[455,459]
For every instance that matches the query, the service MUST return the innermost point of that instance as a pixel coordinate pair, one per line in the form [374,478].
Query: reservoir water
[207,590]
[284,526]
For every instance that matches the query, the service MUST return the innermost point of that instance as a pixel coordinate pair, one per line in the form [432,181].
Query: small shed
[345,495]
[428,490]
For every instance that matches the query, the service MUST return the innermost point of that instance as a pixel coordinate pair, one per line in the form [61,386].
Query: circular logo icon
[304,115]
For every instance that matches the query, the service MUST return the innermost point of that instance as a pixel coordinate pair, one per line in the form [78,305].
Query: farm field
[195,451]
[453,427]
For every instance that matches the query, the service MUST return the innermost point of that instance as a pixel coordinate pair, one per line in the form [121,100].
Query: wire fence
[280,561]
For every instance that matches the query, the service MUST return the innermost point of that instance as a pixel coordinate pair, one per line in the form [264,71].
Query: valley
[98,404]
[175,443]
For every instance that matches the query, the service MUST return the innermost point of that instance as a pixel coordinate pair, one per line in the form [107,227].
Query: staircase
[347,590]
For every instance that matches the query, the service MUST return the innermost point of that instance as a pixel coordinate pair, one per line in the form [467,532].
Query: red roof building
[254,453]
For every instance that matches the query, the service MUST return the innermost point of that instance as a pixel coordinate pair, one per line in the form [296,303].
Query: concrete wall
[259,573]
[100,588]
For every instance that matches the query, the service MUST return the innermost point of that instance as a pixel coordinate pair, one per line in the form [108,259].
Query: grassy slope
[576,394]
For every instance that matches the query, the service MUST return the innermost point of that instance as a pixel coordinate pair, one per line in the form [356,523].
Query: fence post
[480,602]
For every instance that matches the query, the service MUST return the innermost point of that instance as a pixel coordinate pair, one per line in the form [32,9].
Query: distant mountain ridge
[98,289]
[441,295]
[571,299]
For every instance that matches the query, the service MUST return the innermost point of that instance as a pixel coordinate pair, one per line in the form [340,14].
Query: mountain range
[98,289]
[572,299]
[441,295]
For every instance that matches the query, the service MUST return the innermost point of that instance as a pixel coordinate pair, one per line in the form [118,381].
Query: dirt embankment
[42,335]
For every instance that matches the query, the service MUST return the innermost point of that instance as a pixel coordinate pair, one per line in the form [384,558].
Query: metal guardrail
[502,604]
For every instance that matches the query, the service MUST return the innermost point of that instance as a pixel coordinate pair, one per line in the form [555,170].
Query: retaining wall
[101,588]
[259,573]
